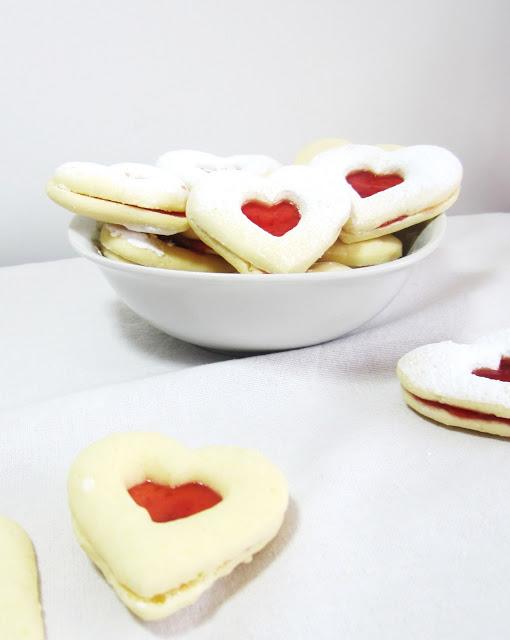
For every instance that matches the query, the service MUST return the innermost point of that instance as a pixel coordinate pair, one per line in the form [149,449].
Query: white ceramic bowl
[256,312]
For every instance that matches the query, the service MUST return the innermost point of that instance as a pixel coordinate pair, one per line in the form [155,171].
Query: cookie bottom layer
[240,265]
[162,605]
[457,416]
[349,236]
[149,251]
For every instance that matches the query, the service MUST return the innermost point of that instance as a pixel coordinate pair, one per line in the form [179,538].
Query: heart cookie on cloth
[148,250]
[138,196]
[281,223]
[163,522]
[191,166]
[20,609]
[461,385]
[392,187]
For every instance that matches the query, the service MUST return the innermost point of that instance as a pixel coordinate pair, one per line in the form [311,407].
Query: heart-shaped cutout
[166,504]
[195,535]
[366,183]
[461,384]
[502,373]
[277,219]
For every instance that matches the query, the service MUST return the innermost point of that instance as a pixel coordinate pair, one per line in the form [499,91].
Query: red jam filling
[277,219]
[181,214]
[387,224]
[459,412]
[165,503]
[502,373]
[367,183]
[189,243]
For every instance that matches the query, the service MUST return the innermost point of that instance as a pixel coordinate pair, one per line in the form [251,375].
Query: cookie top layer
[131,183]
[444,372]
[430,176]
[192,166]
[215,212]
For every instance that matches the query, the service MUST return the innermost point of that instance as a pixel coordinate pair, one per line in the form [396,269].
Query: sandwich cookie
[191,166]
[366,252]
[20,609]
[281,223]
[138,196]
[392,187]
[461,385]
[163,522]
[118,243]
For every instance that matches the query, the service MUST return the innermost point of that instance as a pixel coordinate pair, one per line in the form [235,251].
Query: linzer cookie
[20,609]
[191,166]
[163,522]
[149,250]
[138,196]
[281,223]
[461,385]
[392,187]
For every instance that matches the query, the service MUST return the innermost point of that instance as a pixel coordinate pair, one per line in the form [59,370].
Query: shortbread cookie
[163,522]
[392,188]
[152,251]
[192,166]
[320,267]
[307,153]
[280,223]
[138,196]
[366,252]
[20,609]
[461,385]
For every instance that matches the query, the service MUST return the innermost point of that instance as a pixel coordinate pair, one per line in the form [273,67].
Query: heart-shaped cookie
[461,385]
[161,546]
[152,251]
[192,166]
[393,187]
[280,223]
[138,196]
[20,609]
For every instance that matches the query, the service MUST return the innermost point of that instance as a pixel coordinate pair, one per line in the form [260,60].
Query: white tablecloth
[397,528]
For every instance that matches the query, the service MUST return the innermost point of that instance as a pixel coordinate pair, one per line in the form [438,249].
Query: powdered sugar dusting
[431,176]
[443,372]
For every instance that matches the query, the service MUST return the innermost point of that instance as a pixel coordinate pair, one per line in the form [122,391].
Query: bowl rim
[82,231]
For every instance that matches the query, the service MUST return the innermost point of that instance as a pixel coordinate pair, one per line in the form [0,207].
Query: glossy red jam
[277,219]
[180,214]
[387,224]
[367,183]
[502,373]
[165,503]
[459,412]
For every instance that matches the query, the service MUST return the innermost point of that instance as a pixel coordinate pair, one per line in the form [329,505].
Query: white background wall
[114,80]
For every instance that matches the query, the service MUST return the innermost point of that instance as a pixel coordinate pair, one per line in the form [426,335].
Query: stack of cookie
[341,206]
